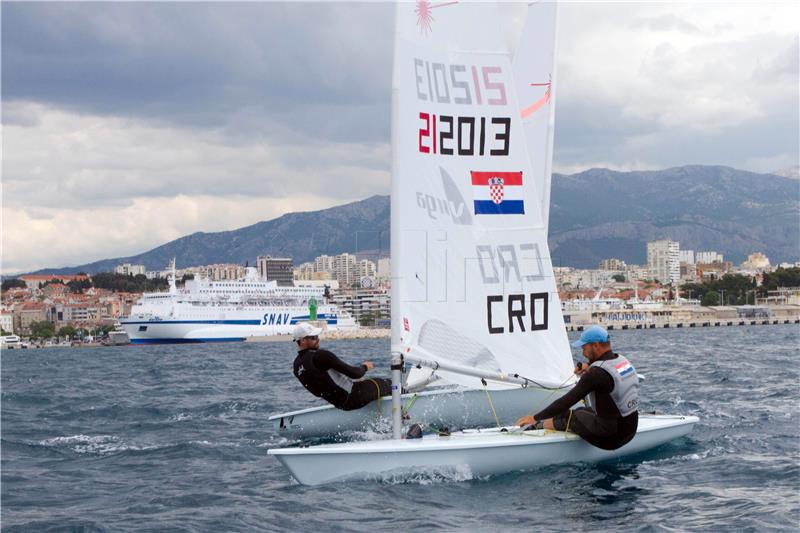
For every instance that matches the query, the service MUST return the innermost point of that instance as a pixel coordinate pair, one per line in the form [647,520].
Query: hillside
[595,214]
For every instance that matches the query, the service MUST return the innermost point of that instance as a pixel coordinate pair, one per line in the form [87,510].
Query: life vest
[318,383]
[625,394]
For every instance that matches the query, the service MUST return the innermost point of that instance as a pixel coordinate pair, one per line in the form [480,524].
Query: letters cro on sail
[472,278]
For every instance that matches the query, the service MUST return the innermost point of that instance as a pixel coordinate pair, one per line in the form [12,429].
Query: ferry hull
[150,331]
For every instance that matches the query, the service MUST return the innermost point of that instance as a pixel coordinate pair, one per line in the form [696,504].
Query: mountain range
[596,214]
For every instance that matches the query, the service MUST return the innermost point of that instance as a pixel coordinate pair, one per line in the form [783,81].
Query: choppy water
[175,438]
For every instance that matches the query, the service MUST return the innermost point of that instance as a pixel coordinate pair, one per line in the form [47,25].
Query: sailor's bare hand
[369,365]
[526,421]
[581,368]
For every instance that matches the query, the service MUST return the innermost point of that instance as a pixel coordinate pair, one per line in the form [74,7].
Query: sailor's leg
[366,391]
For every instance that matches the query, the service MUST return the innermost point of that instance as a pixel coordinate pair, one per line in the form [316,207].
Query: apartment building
[663,261]
[280,269]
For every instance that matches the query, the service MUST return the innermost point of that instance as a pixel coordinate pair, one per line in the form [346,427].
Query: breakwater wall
[633,324]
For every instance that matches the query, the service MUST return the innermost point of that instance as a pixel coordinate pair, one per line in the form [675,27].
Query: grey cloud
[783,65]
[197,64]
[20,116]
[665,23]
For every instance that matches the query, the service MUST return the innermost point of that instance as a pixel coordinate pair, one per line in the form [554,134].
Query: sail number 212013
[474,87]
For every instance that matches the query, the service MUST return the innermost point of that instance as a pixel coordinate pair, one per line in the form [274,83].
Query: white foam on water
[93,444]
[424,476]
[279,442]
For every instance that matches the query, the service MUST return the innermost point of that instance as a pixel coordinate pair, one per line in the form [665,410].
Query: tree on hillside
[13,283]
[122,283]
[77,286]
[618,277]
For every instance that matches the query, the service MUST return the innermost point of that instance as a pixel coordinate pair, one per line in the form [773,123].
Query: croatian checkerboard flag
[498,193]
[624,368]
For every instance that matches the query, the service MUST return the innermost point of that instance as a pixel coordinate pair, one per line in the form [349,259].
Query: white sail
[535,76]
[472,283]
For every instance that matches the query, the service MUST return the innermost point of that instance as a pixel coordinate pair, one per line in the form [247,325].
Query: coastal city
[366,266]
[676,288]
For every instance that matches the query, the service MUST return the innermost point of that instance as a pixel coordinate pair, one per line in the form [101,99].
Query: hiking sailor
[610,383]
[328,377]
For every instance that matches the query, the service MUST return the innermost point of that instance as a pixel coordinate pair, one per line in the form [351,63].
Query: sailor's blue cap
[593,334]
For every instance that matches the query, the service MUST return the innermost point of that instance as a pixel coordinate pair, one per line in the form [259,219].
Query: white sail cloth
[473,283]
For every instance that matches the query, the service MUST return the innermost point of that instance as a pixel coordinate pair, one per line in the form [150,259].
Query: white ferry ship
[227,311]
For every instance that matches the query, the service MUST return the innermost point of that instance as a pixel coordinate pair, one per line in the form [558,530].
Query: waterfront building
[7,321]
[304,271]
[127,269]
[715,270]
[612,264]
[783,296]
[28,313]
[709,257]
[279,269]
[383,270]
[662,260]
[756,262]
[323,263]
[364,304]
[366,269]
[686,256]
[223,271]
[636,273]
[581,279]
[688,272]
[82,313]
[54,290]
[345,269]
[32,281]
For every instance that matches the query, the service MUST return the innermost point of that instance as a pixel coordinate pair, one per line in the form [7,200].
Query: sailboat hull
[439,408]
[468,453]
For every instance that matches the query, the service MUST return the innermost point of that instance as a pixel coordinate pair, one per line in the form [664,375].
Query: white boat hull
[475,453]
[452,409]
[229,324]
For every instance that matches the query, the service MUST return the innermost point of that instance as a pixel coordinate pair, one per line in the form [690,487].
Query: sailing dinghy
[436,400]
[473,292]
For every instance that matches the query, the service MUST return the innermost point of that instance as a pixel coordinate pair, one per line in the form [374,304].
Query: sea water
[175,438]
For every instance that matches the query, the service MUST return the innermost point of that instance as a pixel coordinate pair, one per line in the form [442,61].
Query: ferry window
[142,328]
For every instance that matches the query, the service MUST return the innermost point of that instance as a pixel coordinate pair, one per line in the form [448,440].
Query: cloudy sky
[126,125]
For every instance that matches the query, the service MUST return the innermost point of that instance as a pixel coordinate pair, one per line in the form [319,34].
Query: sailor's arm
[326,360]
[584,386]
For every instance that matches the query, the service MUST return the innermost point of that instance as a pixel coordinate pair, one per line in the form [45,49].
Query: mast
[394,254]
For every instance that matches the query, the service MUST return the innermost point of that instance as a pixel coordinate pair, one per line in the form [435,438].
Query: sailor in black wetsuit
[612,387]
[328,377]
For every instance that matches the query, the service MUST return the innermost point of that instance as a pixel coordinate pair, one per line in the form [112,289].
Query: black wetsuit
[604,428]
[326,376]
